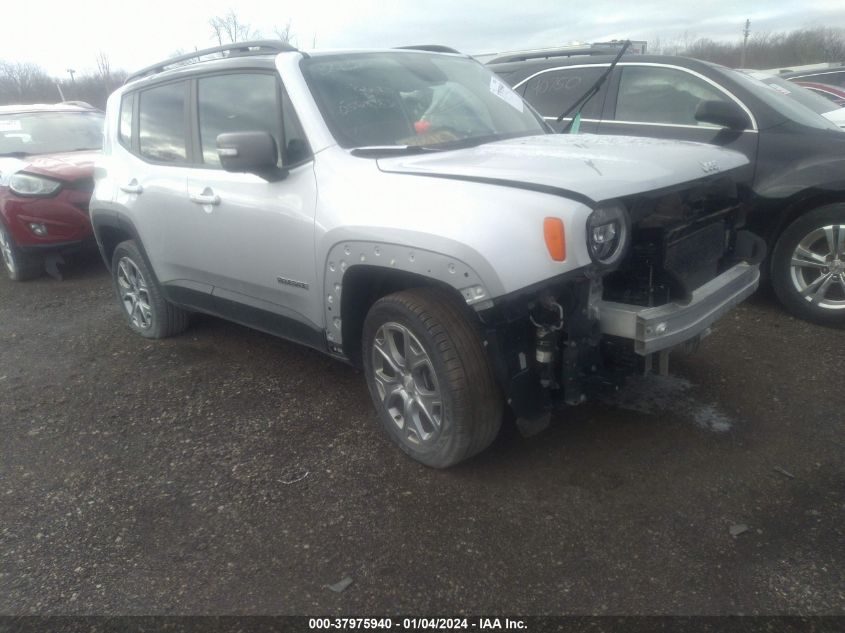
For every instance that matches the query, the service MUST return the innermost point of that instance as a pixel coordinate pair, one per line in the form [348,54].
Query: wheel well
[109,237]
[797,208]
[363,286]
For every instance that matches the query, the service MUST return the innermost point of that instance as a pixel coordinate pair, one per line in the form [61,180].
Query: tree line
[25,82]
[764,50]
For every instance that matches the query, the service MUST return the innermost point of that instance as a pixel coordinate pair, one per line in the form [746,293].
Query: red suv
[47,157]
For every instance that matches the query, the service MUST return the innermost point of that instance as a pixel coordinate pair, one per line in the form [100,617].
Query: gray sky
[69,33]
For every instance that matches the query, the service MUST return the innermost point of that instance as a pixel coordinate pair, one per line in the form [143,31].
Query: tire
[17,264]
[813,289]
[142,303]
[446,407]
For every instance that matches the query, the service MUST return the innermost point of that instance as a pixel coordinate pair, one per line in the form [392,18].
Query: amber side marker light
[555,238]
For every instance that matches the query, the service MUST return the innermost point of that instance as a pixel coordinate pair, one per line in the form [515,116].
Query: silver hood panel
[595,166]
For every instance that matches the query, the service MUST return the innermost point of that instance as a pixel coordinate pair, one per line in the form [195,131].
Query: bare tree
[104,67]
[228,28]
[24,82]
[285,33]
[774,50]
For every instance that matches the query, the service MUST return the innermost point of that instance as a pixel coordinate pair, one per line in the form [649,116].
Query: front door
[661,101]
[258,247]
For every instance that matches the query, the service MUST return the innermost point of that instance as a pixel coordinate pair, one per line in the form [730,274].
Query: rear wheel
[146,310]
[18,265]
[808,266]
[429,377]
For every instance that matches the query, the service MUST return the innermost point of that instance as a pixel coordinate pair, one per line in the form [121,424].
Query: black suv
[798,200]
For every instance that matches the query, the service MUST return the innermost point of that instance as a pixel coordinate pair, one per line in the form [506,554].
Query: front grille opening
[678,243]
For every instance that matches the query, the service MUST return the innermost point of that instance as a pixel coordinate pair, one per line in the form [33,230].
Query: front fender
[476,286]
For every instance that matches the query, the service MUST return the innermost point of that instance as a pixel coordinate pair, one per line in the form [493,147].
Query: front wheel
[808,266]
[145,309]
[429,377]
[19,266]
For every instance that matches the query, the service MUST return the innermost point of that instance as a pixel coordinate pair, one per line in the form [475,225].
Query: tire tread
[169,319]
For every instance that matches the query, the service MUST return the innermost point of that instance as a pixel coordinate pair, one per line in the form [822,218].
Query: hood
[837,116]
[68,166]
[587,165]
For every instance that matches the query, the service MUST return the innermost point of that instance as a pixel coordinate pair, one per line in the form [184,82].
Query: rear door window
[161,126]
[651,94]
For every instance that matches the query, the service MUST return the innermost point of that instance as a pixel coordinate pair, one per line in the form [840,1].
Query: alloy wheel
[818,267]
[407,384]
[134,293]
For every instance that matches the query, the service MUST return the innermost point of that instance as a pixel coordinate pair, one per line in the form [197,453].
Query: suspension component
[547,327]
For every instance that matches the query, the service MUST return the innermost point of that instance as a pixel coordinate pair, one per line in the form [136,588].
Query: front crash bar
[662,327]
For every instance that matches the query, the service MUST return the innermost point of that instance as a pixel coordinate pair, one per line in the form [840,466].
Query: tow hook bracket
[662,368]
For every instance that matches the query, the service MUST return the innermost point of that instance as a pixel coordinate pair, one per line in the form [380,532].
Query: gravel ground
[228,472]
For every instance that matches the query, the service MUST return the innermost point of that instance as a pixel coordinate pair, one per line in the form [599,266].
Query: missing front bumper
[664,327]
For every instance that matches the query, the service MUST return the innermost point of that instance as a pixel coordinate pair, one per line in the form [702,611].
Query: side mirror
[248,152]
[297,150]
[722,113]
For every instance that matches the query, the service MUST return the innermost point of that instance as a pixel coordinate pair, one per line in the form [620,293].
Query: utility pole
[72,72]
[745,33]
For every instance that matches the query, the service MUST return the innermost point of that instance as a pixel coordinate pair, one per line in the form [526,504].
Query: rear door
[153,180]
[554,90]
[660,101]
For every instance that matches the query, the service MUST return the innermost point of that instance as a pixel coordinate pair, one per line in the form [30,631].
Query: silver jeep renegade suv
[407,212]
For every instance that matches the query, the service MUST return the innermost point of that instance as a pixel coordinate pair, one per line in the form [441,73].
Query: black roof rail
[431,48]
[561,52]
[235,49]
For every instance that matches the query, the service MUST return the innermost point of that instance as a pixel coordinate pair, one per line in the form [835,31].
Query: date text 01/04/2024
[409,624]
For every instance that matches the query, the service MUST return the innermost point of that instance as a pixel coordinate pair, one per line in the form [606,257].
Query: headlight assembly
[608,233]
[31,185]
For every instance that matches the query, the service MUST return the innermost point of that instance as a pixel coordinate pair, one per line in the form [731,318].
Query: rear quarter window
[124,131]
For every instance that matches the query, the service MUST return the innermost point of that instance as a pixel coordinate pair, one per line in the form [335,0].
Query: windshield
[789,108]
[815,102]
[50,132]
[415,99]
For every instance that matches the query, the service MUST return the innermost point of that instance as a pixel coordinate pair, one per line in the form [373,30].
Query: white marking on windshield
[10,125]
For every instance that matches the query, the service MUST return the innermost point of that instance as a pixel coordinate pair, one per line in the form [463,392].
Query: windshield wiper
[374,151]
[585,98]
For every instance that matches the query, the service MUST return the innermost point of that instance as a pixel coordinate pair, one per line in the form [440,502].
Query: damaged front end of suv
[665,266]
[607,253]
